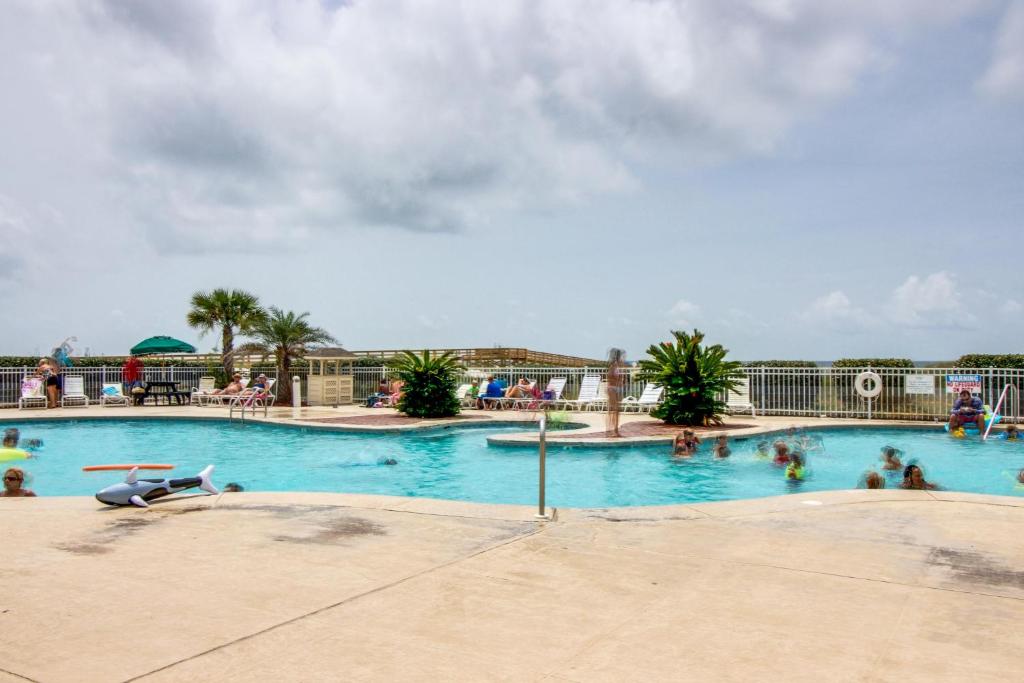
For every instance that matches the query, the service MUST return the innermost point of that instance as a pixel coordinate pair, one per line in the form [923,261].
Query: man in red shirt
[131,373]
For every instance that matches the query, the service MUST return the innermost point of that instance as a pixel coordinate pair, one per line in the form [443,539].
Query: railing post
[542,468]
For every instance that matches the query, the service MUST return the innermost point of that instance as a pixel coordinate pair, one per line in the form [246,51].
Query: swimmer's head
[797,458]
[233,487]
[781,447]
[388,461]
[874,480]
[11,436]
[1011,431]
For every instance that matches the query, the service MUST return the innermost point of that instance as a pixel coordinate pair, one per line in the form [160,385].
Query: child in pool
[891,459]
[763,452]
[1011,433]
[781,453]
[913,478]
[685,444]
[721,449]
[874,480]
[795,468]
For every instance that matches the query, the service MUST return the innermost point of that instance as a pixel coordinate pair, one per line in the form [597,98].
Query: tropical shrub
[695,378]
[873,362]
[428,383]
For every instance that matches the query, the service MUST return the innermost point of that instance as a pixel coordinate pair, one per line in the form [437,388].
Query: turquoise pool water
[458,464]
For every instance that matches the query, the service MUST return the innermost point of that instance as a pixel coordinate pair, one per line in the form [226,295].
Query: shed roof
[332,353]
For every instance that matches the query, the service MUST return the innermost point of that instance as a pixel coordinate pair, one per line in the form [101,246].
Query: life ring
[860,384]
[104,468]
[7,454]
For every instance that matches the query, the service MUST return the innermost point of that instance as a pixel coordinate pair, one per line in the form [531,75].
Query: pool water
[458,464]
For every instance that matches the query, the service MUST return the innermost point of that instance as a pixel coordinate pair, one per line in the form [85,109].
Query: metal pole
[542,462]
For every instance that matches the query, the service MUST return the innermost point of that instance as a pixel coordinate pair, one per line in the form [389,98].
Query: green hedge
[780,364]
[873,362]
[990,360]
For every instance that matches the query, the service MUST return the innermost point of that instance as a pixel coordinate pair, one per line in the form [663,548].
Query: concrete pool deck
[843,585]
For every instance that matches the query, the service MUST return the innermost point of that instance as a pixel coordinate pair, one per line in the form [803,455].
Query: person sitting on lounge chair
[488,400]
[233,387]
[521,389]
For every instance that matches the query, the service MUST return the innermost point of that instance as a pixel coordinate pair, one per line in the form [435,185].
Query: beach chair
[113,396]
[31,394]
[554,389]
[649,398]
[74,392]
[462,394]
[589,387]
[257,399]
[225,399]
[207,385]
[739,398]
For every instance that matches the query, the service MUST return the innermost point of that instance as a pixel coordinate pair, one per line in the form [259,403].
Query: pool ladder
[999,404]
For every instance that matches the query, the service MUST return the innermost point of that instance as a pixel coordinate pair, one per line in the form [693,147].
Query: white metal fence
[773,391]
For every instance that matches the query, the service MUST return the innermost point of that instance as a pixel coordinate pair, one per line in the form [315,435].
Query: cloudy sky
[798,178]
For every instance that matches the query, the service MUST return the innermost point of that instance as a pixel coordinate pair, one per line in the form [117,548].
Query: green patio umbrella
[153,345]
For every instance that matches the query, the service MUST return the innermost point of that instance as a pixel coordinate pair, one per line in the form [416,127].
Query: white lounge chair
[462,393]
[556,385]
[649,398]
[223,399]
[74,392]
[256,399]
[113,396]
[31,394]
[589,387]
[207,385]
[739,398]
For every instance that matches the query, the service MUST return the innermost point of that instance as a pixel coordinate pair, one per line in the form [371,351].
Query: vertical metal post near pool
[542,462]
[296,395]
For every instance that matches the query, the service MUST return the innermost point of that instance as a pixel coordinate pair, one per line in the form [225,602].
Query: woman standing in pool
[14,477]
[721,449]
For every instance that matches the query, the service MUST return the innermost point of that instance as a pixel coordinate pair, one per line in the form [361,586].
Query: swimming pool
[458,464]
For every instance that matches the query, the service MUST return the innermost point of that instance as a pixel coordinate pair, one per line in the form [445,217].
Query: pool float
[973,426]
[794,472]
[138,492]
[7,454]
[104,468]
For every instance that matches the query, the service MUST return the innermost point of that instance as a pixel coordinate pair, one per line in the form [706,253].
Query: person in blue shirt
[967,409]
[493,391]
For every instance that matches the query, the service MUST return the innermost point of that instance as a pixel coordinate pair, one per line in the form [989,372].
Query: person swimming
[913,478]
[891,459]
[763,451]
[721,449]
[1010,434]
[874,480]
[685,444]
[795,468]
[781,453]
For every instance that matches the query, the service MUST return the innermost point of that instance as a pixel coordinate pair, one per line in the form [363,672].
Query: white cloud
[278,120]
[1005,74]
[1011,307]
[683,314]
[835,310]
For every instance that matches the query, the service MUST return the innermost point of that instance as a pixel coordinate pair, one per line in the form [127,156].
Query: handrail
[542,467]
[995,413]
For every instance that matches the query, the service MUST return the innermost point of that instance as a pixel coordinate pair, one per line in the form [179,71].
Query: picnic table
[166,390]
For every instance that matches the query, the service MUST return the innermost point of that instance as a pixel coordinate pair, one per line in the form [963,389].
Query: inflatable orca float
[135,491]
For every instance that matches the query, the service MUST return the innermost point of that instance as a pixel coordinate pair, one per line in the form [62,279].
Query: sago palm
[428,384]
[227,311]
[695,378]
[287,336]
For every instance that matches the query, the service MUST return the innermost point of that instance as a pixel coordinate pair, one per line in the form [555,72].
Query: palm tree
[695,378]
[228,311]
[286,336]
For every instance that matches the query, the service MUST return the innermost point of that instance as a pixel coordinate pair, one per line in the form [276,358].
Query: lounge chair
[74,392]
[31,394]
[222,399]
[466,400]
[207,385]
[256,399]
[649,398]
[739,398]
[556,385]
[113,396]
[589,387]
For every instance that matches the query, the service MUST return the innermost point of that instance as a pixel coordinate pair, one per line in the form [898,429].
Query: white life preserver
[860,384]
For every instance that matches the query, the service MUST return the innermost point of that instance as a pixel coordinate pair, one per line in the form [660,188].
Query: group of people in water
[789,453]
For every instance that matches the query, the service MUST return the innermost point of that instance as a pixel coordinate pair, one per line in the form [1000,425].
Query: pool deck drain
[864,586]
